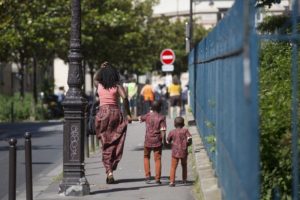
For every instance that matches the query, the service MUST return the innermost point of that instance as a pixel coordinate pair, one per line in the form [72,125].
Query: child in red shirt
[180,139]
[155,134]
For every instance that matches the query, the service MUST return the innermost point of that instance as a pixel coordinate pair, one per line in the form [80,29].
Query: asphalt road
[47,141]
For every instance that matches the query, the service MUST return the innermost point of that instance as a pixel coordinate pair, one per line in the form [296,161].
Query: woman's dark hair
[108,76]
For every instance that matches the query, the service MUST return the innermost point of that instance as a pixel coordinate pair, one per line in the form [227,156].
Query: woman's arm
[123,95]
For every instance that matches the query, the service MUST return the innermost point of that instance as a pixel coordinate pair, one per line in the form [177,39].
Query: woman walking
[110,123]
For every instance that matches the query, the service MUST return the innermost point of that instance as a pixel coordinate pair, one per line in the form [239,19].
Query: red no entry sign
[167,57]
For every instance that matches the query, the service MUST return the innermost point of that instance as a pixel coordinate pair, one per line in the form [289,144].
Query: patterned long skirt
[111,129]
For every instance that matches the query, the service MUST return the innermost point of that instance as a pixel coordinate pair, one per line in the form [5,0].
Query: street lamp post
[189,30]
[189,27]
[191,24]
[74,182]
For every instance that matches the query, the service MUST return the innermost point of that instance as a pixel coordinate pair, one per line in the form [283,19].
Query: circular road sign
[167,57]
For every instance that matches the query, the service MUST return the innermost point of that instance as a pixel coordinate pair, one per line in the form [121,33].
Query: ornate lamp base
[68,188]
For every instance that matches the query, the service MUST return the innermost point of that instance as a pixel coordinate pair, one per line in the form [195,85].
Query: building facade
[209,12]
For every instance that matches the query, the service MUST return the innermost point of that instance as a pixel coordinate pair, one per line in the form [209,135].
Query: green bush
[275,119]
[23,109]
[5,105]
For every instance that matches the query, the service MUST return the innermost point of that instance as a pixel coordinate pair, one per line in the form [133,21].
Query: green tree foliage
[275,110]
[10,105]
[261,3]
[126,34]
[122,32]
[275,23]
[35,30]
[113,30]
[275,119]
[164,33]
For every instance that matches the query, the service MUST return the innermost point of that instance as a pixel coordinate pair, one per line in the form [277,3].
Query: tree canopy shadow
[123,189]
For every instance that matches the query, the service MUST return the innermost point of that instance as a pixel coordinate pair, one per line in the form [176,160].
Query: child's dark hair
[108,76]
[179,122]
[156,106]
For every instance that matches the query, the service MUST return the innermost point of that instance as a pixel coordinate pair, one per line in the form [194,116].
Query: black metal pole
[86,141]
[97,141]
[191,24]
[12,99]
[92,143]
[28,166]
[12,117]
[93,96]
[12,169]
[74,182]
[34,81]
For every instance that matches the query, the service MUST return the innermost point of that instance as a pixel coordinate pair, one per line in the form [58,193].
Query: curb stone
[42,182]
[207,180]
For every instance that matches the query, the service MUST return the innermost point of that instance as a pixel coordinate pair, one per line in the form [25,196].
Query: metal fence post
[12,169]
[28,166]
[97,141]
[86,141]
[92,143]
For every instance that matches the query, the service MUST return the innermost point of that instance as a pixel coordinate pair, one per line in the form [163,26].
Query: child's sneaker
[172,184]
[184,182]
[147,180]
[158,182]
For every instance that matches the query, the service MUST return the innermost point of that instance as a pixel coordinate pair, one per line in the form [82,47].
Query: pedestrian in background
[147,93]
[110,123]
[132,95]
[155,136]
[174,91]
[184,99]
[180,138]
[161,95]
[60,98]
[61,94]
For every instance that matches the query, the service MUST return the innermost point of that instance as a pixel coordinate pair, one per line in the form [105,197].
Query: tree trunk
[34,81]
[91,66]
[21,75]
[84,71]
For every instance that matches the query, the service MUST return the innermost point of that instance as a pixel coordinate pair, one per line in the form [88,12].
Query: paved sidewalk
[129,175]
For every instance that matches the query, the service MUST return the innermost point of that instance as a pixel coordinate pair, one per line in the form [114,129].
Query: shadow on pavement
[141,148]
[98,167]
[123,189]
[39,163]
[129,180]
[34,147]
[138,180]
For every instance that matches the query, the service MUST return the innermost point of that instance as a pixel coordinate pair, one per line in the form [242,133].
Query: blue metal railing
[224,100]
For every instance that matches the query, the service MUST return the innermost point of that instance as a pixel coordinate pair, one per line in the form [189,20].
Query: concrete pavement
[129,175]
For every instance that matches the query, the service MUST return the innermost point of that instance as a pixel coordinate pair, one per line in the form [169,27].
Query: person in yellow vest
[147,93]
[174,90]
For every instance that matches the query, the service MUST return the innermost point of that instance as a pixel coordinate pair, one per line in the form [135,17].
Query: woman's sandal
[110,179]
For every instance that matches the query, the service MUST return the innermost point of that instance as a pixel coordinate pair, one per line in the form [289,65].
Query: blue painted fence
[224,100]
